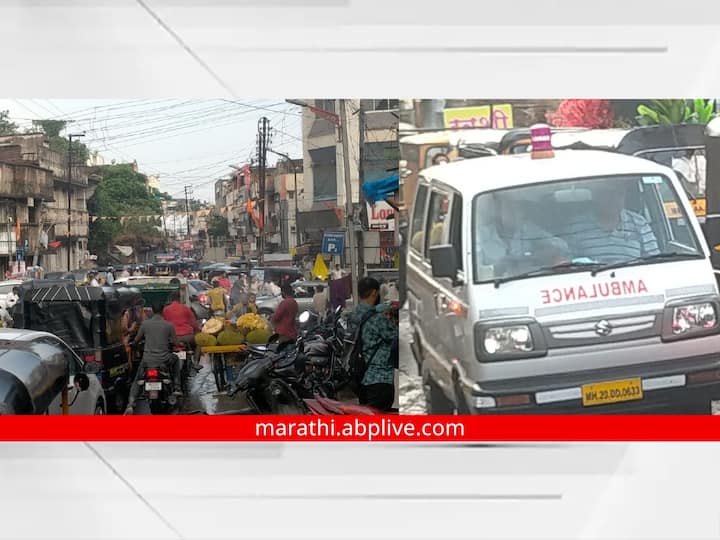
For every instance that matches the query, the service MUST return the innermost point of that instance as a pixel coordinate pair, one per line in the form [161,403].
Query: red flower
[588,113]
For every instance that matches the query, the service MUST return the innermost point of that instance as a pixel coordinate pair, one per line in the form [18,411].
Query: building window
[324,174]
[325,104]
[379,104]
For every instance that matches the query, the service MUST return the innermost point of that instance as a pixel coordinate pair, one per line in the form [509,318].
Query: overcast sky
[184,141]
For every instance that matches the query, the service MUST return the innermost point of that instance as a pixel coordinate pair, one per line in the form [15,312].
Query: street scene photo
[204,257]
[559,256]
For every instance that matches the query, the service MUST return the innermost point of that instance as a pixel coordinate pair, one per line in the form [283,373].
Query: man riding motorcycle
[160,338]
[186,325]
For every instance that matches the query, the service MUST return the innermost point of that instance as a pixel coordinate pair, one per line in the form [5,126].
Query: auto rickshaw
[88,319]
[711,226]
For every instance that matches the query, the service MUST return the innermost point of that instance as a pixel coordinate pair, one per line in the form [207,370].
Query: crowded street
[158,280]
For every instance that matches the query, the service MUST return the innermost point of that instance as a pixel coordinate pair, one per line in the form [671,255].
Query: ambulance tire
[435,400]
[461,406]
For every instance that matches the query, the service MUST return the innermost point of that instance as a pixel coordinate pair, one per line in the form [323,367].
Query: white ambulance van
[578,283]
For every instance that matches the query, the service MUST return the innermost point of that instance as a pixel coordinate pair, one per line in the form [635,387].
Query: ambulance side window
[436,232]
[676,224]
[417,239]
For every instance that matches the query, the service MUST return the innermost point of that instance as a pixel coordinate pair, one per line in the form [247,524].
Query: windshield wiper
[647,258]
[568,265]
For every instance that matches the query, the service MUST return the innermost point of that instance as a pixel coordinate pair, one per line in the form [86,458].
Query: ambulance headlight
[508,339]
[691,319]
[511,340]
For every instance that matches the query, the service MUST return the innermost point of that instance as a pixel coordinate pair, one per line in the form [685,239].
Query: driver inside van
[505,232]
[610,232]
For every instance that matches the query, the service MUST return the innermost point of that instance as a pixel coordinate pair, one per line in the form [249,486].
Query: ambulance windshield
[575,223]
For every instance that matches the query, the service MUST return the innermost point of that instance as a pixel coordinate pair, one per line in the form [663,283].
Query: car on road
[304,292]
[603,300]
[35,368]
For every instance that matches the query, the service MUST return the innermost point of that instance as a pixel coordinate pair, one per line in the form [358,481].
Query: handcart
[223,372]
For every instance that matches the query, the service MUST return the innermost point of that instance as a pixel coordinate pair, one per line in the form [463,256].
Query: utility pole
[361,180]
[263,135]
[188,192]
[69,195]
[349,214]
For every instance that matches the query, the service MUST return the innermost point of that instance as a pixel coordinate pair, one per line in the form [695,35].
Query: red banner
[391,428]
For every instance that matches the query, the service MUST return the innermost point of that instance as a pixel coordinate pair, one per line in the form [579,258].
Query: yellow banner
[486,116]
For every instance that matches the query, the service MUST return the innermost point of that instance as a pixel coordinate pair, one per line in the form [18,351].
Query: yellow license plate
[612,392]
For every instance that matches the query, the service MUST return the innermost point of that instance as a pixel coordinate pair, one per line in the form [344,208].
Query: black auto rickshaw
[89,320]
[711,226]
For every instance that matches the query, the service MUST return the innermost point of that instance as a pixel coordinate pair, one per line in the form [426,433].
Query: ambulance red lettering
[606,292]
[598,290]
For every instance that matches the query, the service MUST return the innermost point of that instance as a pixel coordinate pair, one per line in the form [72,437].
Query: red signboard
[327,115]
[186,245]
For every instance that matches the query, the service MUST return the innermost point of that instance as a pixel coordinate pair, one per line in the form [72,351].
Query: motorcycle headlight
[691,319]
[511,340]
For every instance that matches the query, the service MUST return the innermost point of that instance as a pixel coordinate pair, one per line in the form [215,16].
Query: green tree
[122,192]
[7,127]
[218,226]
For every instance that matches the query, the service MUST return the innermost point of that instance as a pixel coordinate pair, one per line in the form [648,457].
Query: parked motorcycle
[268,384]
[324,348]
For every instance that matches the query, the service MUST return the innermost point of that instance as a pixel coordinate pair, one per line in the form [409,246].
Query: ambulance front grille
[603,330]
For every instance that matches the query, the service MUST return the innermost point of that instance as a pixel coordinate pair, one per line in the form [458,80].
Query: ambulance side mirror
[444,262]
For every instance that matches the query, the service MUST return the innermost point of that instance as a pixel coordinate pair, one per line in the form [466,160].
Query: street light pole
[69,194]
[297,225]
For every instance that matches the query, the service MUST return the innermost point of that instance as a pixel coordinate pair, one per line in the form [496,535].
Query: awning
[380,190]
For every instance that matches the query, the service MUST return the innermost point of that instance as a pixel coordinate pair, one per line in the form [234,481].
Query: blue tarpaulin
[379,190]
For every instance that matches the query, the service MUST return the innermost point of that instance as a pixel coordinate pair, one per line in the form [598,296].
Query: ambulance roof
[478,175]
[468,136]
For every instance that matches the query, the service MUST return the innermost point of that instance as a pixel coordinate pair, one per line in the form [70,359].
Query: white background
[335,48]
